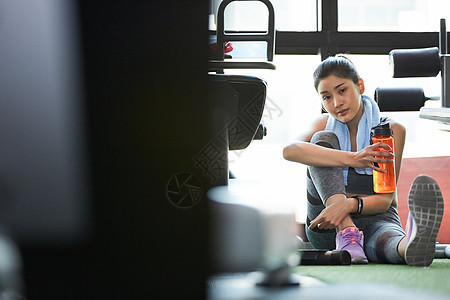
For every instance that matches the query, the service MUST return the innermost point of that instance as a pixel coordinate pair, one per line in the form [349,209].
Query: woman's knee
[382,247]
[326,139]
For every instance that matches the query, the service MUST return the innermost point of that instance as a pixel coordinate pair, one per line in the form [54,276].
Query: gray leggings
[382,232]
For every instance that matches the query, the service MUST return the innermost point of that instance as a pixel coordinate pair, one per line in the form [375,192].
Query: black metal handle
[223,37]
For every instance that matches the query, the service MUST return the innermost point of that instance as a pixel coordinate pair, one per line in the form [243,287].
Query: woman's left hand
[333,215]
[372,155]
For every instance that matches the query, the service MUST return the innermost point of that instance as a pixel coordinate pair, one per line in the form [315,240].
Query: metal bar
[353,42]
[329,27]
[445,82]
[445,65]
[245,37]
[443,38]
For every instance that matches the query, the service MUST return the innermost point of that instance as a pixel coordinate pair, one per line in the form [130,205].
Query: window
[246,16]
[290,15]
[388,15]
[295,15]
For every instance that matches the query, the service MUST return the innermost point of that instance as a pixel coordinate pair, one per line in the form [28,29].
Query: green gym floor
[434,278]
[372,281]
[426,152]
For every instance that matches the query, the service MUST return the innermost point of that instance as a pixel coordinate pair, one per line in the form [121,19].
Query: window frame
[329,41]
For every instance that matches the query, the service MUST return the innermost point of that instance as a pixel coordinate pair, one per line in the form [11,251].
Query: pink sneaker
[352,240]
[426,208]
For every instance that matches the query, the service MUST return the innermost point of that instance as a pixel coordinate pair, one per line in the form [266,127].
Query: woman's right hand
[370,156]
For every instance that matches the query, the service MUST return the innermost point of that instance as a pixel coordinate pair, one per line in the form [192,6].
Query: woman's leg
[325,182]
[382,234]
[319,190]
[387,242]
[426,209]
[325,186]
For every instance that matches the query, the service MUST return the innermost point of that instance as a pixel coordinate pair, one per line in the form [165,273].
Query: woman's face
[341,98]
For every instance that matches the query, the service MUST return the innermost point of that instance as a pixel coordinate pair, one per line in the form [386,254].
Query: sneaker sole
[359,261]
[426,206]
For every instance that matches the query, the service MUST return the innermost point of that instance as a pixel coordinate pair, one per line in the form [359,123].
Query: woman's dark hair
[339,66]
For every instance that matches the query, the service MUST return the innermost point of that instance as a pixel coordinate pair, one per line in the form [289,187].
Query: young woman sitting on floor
[344,212]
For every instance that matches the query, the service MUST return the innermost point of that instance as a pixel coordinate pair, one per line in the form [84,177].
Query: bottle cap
[384,128]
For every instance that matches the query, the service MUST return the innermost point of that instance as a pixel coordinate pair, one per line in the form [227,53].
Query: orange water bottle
[384,182]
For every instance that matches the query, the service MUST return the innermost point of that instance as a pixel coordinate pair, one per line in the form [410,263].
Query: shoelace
[351,237]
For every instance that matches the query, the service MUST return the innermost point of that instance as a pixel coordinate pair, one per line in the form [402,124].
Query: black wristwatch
[360,204]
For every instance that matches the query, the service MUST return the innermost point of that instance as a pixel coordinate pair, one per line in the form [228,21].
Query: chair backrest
[242,99]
